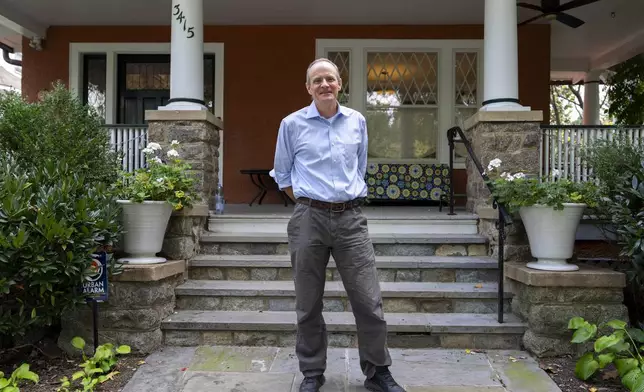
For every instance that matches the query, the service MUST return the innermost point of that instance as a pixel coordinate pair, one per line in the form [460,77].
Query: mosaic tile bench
[414,181]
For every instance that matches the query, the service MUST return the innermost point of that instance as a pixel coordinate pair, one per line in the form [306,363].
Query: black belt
[335,207]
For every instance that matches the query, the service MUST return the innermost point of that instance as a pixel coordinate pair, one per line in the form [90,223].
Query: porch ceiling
[613,28]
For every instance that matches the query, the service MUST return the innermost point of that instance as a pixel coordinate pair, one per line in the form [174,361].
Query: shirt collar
[313,112]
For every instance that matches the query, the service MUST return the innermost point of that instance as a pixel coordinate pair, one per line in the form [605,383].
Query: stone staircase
[438,285]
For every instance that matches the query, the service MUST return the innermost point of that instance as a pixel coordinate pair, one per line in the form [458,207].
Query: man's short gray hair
[321,60]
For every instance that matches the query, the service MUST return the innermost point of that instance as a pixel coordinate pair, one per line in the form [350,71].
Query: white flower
[173,153]
[147,151]
[556,173]
[174,143]
[494,163]
[154,146]
[519,175]
[159,180]
[157,160]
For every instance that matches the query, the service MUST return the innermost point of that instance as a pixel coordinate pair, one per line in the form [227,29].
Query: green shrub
[57,126]
[51,221]
[619,167]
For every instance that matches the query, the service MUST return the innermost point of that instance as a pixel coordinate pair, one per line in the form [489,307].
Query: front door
[143,84]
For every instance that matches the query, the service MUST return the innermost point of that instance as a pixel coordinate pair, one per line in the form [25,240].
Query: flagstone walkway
[260,369]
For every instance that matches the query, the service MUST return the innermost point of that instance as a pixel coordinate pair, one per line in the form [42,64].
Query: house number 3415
[183,21]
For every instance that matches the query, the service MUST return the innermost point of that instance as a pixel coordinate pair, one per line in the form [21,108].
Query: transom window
[410,92]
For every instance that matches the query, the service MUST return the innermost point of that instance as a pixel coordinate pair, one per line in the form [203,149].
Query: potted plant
[550,208]
[147,197]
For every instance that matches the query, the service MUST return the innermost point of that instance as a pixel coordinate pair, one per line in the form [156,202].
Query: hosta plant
[96,369]
[623,347]
[22,373]
[166,178]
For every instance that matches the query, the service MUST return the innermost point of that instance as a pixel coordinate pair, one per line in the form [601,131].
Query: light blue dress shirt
[322,159]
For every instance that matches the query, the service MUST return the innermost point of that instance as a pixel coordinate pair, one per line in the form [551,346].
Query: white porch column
[591,98]
[186,56]
[501,69]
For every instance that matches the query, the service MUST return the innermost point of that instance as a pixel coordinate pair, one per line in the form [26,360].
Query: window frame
[446,51]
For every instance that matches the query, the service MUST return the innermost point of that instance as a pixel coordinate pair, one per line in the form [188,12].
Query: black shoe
[383,382]
[312,384]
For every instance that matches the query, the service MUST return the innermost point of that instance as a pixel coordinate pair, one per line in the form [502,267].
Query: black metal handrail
[504,217]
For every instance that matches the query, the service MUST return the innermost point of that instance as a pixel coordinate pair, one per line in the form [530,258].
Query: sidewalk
[273,369]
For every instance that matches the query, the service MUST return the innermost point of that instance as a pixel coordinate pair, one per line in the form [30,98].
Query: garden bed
[562,372]
[51,364]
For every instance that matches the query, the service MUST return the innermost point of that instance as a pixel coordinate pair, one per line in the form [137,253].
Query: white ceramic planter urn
[144,225]
[551,234]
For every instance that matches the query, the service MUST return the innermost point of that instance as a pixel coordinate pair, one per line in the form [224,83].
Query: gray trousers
[314,234]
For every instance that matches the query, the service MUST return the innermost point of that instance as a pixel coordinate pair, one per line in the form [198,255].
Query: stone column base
[139,298]
[548,300]
[181,241]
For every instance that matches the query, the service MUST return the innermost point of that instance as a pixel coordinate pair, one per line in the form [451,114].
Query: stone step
[397,296]
[390,268]
[267,223]
[405,330]
[385,244]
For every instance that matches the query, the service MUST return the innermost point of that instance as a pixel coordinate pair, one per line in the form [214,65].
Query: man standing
[320,161]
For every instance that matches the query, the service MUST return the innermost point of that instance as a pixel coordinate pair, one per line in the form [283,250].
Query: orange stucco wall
[264,76]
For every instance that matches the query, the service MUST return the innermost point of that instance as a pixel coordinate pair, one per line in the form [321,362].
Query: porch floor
[372,212]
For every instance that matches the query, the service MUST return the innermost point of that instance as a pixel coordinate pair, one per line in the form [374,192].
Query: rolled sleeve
[283,163]
[363,148]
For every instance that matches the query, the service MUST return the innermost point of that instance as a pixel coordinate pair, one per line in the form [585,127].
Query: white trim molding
[445,49]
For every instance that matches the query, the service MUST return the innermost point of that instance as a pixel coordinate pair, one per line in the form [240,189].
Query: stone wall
[548,300]
[197,131]
[512,137]
[139,298]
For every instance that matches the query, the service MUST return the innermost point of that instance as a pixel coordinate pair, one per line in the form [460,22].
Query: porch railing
[562,147]
[129,141]
[456,135]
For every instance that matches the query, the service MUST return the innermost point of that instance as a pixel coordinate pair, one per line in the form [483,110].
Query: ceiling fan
[553,9]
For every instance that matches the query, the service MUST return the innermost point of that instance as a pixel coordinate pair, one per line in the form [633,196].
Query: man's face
[324,84]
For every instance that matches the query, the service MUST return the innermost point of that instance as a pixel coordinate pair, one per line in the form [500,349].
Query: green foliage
[567,104]
[517,190]
[623,347]
[22,373]
[619,167]
[57,127]
[161,181]
[96,369]
[613,162]
[626,92]
[51,221]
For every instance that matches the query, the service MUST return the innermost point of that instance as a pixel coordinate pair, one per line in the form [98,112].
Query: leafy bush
[161,180]
[619,167]
[57,126]
[96,369]
[51,221]
[623,347]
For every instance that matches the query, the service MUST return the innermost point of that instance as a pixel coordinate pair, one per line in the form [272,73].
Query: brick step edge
[334,289]
[383,262]
[456,239]
[258,321]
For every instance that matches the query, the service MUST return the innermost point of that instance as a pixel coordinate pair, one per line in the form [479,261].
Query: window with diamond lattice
[402,104]
[342,61]
[466,92]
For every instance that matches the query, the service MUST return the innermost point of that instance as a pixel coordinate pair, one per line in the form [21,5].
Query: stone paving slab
[255,369]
